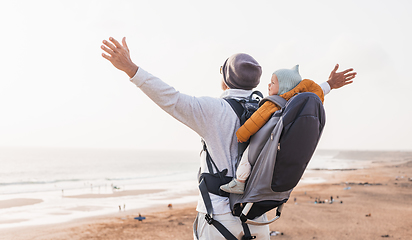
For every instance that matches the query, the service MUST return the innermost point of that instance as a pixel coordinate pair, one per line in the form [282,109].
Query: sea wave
[148,176]
[42,182]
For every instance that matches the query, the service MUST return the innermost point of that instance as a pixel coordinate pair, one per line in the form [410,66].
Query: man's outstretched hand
[340,79]
[119,55]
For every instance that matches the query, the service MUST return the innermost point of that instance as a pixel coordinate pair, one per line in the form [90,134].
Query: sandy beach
[371,203]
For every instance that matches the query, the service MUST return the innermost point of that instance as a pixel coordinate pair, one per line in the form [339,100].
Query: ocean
[42,186]
[55,176]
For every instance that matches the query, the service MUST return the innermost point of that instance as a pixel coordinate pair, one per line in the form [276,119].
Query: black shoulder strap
[207,201]
[210,163]
[209,208]
[246,231]
[236,106]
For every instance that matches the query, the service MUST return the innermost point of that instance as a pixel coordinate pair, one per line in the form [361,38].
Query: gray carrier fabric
[267,183]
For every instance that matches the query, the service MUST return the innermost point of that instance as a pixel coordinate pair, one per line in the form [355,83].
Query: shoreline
[116,193]
[375,204]
[35,212]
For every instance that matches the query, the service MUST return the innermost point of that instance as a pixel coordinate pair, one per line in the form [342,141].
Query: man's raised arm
[340,79]
[119,55]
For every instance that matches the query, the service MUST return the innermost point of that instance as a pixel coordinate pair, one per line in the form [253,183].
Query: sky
[56,90]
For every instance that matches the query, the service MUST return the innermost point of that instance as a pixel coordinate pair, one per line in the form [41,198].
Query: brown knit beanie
[241,71]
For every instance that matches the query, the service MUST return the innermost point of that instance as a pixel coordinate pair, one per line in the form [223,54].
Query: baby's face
[273,85]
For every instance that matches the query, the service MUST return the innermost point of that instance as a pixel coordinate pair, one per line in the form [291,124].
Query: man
[212,118]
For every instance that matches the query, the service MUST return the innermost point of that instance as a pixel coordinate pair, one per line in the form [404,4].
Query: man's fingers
[109,51]
[334,71]
[347,70]
[109,45]
[125,44]
[336,68]
[348,82]
[351,74]
[106,56]
[115,42]
[350,77]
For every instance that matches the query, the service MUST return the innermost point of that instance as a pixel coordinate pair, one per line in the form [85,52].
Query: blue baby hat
[288,79]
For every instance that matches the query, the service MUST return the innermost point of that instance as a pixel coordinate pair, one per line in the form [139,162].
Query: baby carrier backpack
[279,153]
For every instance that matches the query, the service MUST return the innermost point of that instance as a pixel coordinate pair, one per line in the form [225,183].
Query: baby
[285,83]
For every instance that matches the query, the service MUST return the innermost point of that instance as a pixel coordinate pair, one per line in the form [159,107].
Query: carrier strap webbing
[205,195]
[208,203]
[246,231]
[209,208]
[210,163]
[222,229]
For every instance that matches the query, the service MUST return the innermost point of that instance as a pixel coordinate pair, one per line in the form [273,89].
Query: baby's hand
[239,141]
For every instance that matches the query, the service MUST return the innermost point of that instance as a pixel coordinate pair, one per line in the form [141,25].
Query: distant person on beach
[212,118]
[285,83]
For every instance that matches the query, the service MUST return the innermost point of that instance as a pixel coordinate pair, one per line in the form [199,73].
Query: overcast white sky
[57,91]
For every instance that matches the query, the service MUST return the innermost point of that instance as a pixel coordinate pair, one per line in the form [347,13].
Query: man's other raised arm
[119,55]
[340,79]
[195,112]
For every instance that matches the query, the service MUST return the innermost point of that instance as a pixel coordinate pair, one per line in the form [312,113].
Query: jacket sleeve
[305,85]
[256,121]
[262,115]
[198,113]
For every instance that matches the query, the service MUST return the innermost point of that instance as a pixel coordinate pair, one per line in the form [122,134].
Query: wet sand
[18,202]
[373,203]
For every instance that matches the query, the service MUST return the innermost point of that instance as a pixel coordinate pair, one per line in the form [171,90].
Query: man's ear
[224,86]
